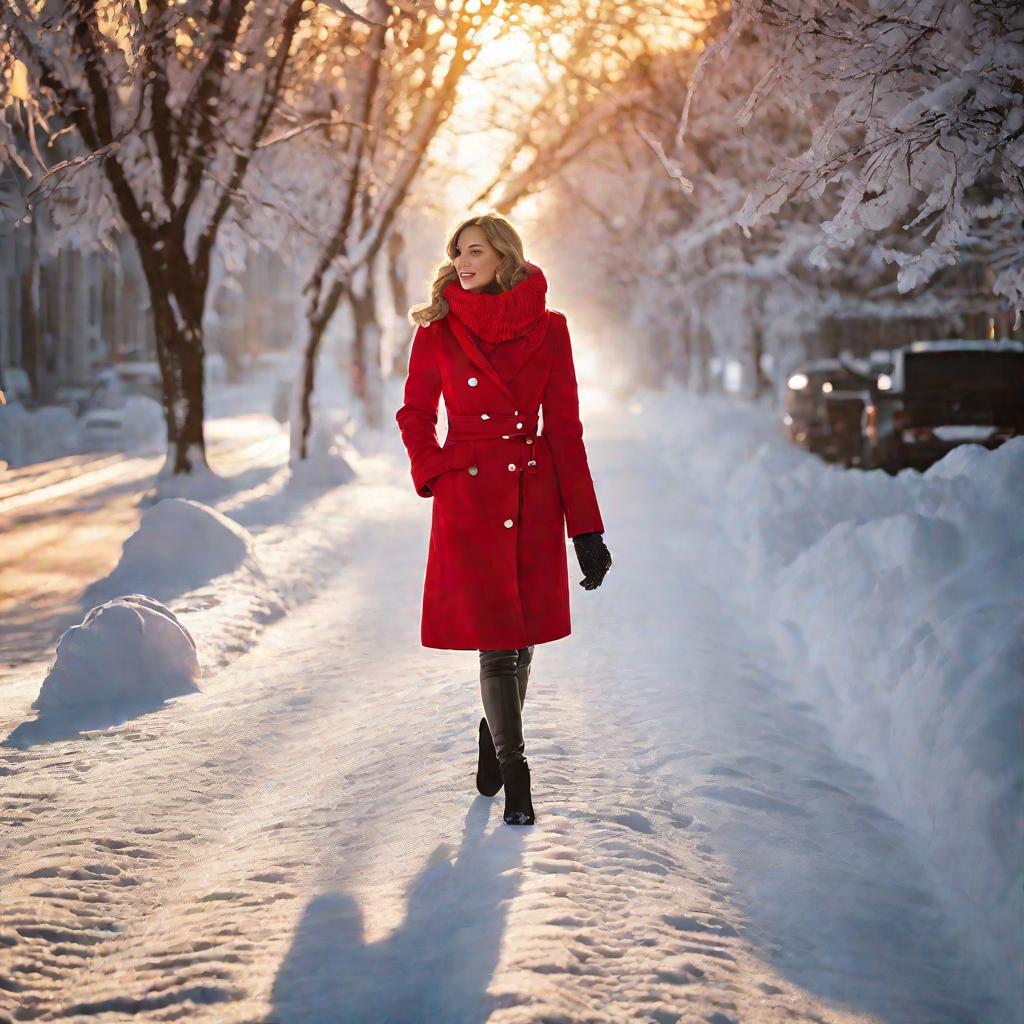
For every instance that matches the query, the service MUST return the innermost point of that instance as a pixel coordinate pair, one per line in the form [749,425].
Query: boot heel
[518,802]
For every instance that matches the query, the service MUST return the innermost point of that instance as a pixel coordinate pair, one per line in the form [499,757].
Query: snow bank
[183,549]
[136,423]
[919,628]
[132,649]
[36,435]
[53,431]
[202,485]
[180,544]
[900,602]
[326,464]
[143,419]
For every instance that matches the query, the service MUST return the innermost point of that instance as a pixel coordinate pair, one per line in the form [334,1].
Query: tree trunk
[31,333]
[396,272]
[366,348]
[398,354]
[756,354]
[181,354]
[302,404]
[682,373]
[703,361]
[190,450]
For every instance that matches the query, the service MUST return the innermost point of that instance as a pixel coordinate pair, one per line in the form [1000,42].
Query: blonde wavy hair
[510,271]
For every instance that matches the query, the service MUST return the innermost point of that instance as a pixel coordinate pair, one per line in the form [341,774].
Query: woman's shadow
[435,967]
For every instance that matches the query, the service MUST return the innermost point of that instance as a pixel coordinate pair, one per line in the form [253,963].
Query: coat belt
[516,428]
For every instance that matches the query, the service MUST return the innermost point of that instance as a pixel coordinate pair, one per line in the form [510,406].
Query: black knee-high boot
[523,671]
[488,771]
[500,689]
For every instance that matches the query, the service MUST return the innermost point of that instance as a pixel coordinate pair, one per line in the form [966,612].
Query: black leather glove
[595,559]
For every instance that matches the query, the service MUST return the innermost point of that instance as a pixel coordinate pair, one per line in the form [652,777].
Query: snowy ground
[63,520]
[302,841]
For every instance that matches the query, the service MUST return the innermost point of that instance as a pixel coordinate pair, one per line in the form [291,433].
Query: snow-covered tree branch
[168,103]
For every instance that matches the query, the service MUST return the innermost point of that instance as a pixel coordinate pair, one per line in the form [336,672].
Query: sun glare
[506,74]
[476,137]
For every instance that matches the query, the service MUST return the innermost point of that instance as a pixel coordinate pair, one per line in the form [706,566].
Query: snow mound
[186,550]
[143,421]
[915,618]
[326,464]
[37,435]
[180,545]
[203,484]
[52,431]
[130,649]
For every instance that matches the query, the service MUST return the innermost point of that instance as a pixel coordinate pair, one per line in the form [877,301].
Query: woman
[504,491]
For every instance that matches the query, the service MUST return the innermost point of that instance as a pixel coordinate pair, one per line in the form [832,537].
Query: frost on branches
[918,123]
[163,107]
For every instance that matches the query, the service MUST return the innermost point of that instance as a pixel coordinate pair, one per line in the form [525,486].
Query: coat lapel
[468,345]
[520,355]
[512,363]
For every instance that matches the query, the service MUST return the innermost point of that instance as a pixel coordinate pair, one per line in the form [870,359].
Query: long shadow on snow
[435,966]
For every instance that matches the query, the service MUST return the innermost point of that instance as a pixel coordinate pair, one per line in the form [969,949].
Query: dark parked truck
[824,402]
[846,400]
[941,394]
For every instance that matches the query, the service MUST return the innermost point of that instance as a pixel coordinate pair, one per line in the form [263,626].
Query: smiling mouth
[467,275]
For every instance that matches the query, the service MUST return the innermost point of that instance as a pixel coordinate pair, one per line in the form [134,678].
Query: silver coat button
[511,465]
[472,382]
[519,426]
[484,416]
[508,522]
[515,413]
[532,462]
[529,440]
[473,471]
[505,437]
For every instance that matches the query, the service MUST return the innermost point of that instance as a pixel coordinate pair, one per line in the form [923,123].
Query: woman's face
[475,259]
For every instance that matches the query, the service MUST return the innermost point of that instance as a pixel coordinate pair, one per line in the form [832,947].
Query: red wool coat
[506,491]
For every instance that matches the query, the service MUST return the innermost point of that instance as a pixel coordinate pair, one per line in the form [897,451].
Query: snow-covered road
[302,842]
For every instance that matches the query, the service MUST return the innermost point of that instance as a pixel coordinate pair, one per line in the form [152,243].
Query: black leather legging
[504,677]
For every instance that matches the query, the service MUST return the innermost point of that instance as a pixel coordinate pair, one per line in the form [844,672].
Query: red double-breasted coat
[511,481]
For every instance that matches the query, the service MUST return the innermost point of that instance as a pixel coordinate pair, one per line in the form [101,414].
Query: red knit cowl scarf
[502,317]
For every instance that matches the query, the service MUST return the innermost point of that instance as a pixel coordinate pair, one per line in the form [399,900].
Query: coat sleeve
[417,419]
[564,431]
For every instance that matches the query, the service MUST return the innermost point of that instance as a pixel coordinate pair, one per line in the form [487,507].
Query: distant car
[113,385]
[103,430]
[140,377]
[941,394]
[816,415]
[74,397]
[139,422]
